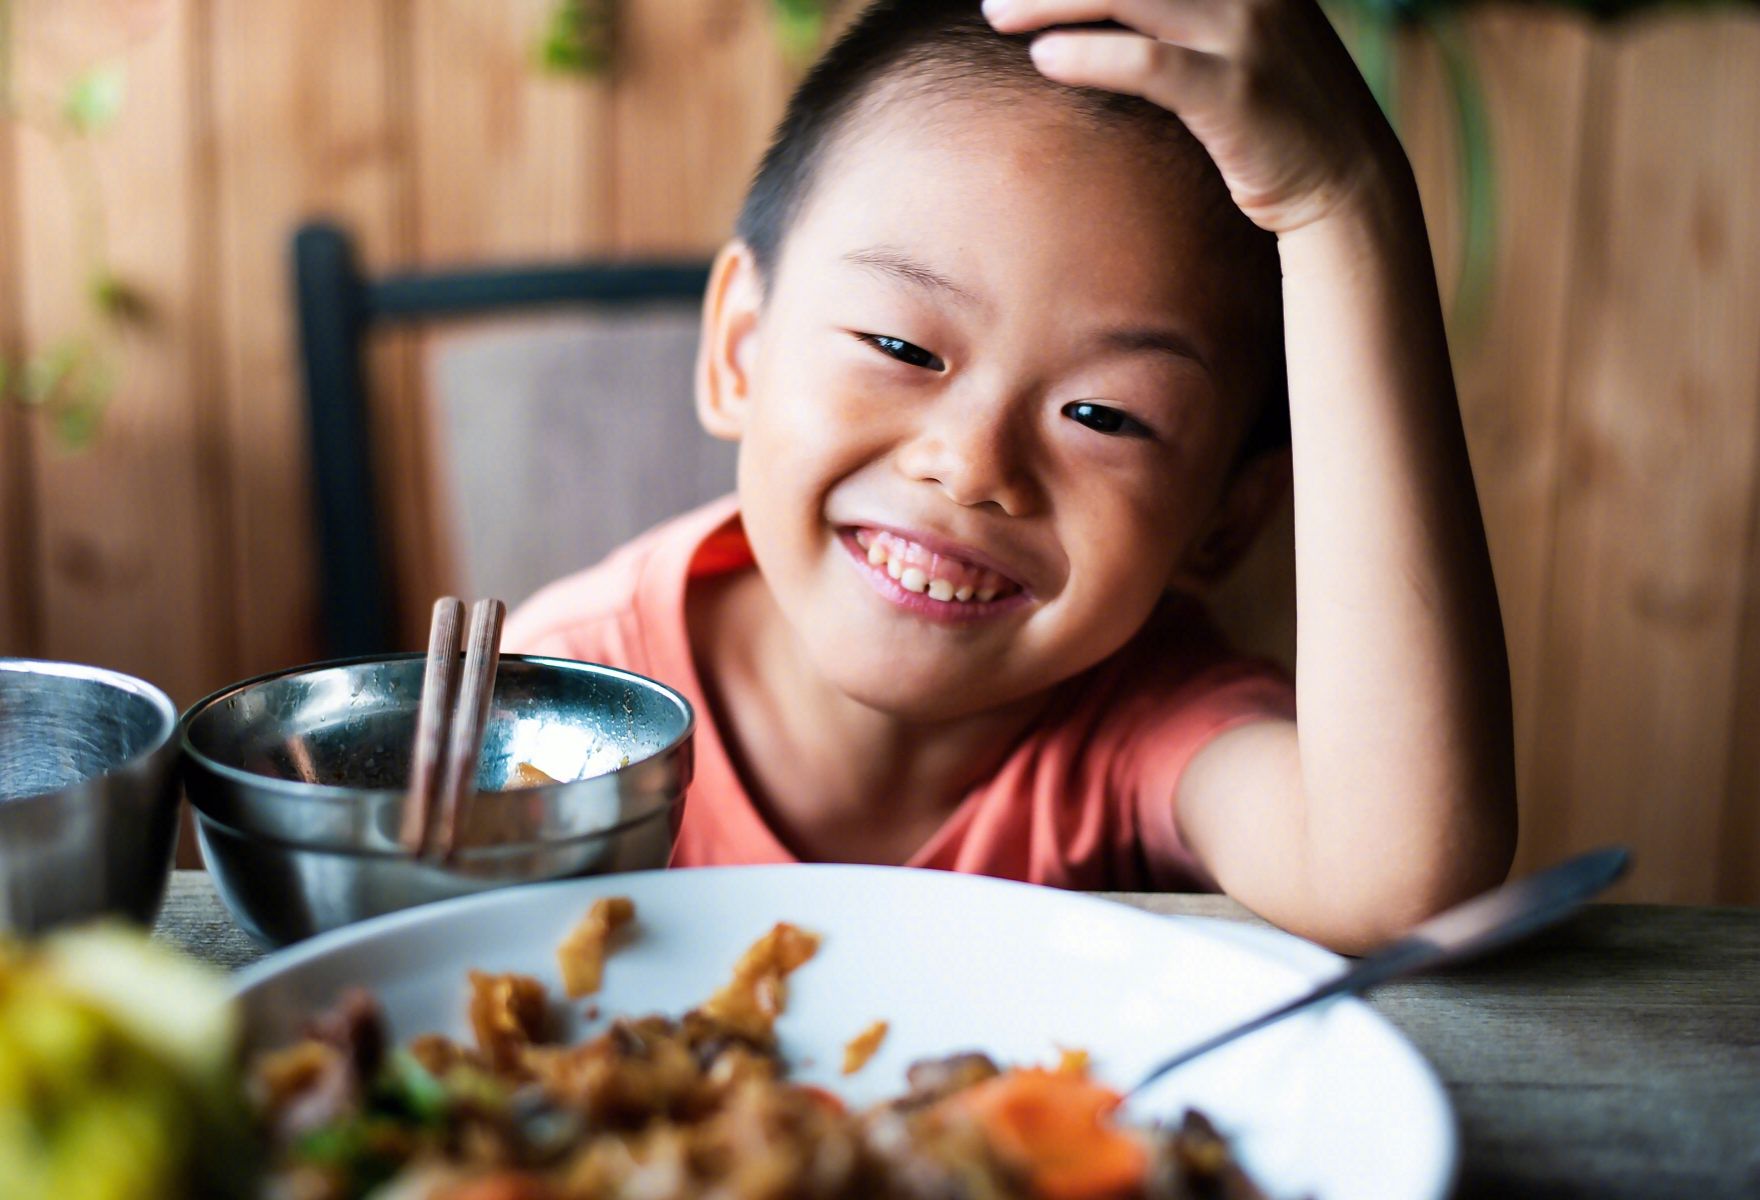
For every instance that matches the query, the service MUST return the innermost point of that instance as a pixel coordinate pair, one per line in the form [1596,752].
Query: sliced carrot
[1056,1127]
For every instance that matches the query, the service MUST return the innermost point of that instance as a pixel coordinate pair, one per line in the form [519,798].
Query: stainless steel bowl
[88,796]
[298,778]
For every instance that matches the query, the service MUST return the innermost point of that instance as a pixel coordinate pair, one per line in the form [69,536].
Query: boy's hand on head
[1265,85]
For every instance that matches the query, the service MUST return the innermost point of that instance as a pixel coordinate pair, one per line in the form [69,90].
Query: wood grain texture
[1609,1057]
[700,85]
[1656,478]
[1532,69]
[120,560]
[18,520]
[302,127]
[513,163]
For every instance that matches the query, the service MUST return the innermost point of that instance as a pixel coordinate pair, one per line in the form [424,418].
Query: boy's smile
[938,580]
[988,403]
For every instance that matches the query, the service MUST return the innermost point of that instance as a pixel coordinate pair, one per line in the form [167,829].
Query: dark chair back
[337,308]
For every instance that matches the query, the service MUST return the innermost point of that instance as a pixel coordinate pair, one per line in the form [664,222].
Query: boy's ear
[1258,487]
[728,346]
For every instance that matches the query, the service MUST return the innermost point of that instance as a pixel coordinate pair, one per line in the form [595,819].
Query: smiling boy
[999,340]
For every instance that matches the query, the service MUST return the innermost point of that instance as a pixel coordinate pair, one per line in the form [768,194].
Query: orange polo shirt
[1086,800]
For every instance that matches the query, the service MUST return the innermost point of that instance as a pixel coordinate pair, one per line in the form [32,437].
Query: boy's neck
[836,780]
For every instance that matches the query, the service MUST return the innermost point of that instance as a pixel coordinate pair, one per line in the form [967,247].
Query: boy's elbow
[1361,915]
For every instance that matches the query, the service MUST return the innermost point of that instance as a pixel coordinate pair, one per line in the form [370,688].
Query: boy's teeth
[919,571]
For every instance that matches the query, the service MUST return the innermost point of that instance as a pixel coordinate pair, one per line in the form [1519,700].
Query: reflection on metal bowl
[297,779]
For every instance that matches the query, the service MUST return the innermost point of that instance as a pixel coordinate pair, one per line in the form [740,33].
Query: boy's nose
[974,454]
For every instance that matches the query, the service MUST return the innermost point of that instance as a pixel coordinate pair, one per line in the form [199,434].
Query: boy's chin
[914,699]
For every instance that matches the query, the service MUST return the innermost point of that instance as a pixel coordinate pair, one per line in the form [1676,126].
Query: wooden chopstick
[433,722]
[482,655]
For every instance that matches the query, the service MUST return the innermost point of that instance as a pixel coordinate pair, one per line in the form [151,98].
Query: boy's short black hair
[948,43]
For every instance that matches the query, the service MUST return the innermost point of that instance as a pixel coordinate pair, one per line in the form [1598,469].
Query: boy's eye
[903,351]
[1101,419]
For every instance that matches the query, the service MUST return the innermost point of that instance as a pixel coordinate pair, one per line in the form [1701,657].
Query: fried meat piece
[581,954]
[646,1069]
[324,1077]
[934,1079]
[1194,1162]
[764,1142]
[508,1013]
[525,775]
[859,1049]
[752,1000]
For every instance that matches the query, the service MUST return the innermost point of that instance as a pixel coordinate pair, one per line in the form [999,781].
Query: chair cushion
[560,437]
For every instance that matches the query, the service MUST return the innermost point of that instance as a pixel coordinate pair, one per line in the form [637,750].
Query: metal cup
[88,795]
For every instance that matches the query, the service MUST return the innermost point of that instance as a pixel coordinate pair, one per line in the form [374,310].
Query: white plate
[1331,1104]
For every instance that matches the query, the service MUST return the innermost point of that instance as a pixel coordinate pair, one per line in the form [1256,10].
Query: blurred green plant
[1372,27]
[800,27]
[69,381]
[579,38]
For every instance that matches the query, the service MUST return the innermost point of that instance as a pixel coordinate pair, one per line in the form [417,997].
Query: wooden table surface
[1615,1056]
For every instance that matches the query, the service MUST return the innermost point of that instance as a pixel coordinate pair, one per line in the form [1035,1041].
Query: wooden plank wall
[1611,391]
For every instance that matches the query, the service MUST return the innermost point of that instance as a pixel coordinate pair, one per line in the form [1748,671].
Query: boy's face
[997,359]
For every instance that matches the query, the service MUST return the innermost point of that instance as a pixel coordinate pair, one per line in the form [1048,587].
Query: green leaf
[118,299]
[49,371]
[94,100]
[71,383]
[1478,176]
[800,27]
[580,37]
[75,424]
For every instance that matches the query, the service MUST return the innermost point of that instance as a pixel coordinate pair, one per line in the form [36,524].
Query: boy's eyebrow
[899,265]
[1161,341]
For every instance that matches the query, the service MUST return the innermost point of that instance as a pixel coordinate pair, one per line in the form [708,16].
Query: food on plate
[117,1073]
[582,953]
[507,1013]
[663,1108]
[752,1000]
[859,1049]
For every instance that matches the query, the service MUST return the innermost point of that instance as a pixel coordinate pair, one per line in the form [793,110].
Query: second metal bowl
[88,795]
[298,779]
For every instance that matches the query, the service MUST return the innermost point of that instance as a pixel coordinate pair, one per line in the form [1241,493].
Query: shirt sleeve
[1179,723]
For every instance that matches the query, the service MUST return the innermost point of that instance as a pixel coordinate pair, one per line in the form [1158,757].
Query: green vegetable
[111,1085]
[405,1086]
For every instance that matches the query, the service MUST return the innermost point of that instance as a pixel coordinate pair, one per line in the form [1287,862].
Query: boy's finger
[1164,74]
[1207,25]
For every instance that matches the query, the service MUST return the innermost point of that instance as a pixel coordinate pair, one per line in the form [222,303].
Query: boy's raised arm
[1394,796]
